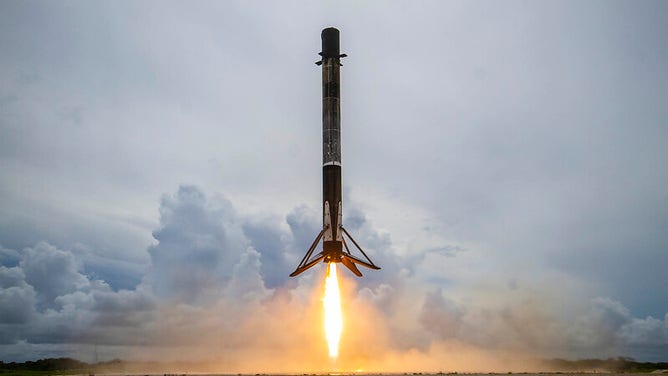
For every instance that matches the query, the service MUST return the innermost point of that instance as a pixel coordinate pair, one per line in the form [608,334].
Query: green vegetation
[51,366]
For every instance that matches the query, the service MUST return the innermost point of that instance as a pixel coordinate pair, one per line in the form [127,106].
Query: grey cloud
[67,324]
[123,311]
[203,242]
[648,331]
[9,257]
[600,326]
[198,243]
[610,322]
[45,300]
[611,314]
[305,223]
[270,240]
[354,218]
[374,240]
[382,296]
[122,301]
[247,284]
[16,297]
[377,244]
[11,277]
[204,245]
[52,272]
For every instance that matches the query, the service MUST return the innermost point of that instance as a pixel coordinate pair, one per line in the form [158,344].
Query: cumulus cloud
[9,257]
[266,236]
[647,331]
[16,297]
[198,244]
[608,323]
[305,223]
[203,243]
[52,272]
[46,299]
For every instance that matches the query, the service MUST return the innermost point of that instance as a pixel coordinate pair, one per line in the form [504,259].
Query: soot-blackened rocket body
[334,245]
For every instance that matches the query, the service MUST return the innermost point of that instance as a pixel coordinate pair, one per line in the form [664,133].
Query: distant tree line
[620,364]
[50,364]
[69,364]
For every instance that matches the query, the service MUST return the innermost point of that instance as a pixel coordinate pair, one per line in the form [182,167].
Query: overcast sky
[504,162]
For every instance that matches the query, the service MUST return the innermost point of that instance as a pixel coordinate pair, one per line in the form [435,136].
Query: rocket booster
[334,245]
[331,139]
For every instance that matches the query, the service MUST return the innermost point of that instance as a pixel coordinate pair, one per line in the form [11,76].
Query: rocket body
[334,246]
[331,140]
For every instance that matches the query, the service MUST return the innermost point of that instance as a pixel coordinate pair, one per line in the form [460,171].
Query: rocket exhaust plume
[334,245]
[332,306]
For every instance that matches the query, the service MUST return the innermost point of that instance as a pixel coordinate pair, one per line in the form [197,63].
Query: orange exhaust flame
[333,316]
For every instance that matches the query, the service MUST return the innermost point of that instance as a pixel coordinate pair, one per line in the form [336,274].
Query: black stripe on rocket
[333,234]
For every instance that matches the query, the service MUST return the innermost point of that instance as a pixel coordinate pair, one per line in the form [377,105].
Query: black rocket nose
[330,42]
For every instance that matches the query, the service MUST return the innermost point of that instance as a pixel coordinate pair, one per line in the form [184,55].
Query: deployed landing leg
[345,257]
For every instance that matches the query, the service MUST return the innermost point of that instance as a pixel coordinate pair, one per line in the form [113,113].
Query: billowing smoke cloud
[198,245]
[217,291]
